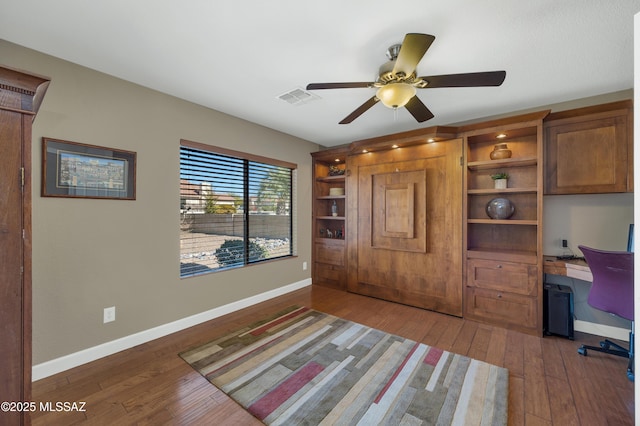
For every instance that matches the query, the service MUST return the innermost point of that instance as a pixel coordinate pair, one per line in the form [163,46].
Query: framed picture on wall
[77,170]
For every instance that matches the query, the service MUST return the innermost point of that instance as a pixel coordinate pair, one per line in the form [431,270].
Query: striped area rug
[304,367]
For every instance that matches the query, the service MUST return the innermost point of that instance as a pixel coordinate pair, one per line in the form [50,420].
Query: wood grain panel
[11,319]
[398,203]
[590,150]
[386,258]
[495,306]
[20,97]
[331,275]
[330,251]
[397,214]
[574,149]
[517,278]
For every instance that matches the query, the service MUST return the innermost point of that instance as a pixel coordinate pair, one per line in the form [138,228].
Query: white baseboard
[84,356]
[601,330]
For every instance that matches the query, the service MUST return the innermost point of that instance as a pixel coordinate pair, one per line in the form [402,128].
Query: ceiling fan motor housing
[393,51]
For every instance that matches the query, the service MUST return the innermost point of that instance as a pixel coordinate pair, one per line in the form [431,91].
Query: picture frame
[78,170]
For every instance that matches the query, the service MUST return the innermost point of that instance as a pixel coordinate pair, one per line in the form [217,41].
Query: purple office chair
[612,291]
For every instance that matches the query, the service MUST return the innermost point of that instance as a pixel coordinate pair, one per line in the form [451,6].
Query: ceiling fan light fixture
[395,95]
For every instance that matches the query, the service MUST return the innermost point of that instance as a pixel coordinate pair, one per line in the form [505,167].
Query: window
[235,208]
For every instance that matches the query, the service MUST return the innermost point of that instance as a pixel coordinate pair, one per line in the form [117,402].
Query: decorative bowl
[500,208]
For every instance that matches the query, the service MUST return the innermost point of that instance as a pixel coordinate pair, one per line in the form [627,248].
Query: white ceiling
[238,57]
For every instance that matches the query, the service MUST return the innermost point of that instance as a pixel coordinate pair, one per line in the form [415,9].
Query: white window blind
[235,209]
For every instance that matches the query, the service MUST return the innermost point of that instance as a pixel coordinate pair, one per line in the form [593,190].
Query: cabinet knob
[499,295]
[499,266]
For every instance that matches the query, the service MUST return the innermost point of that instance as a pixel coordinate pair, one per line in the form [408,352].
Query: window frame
[239,155]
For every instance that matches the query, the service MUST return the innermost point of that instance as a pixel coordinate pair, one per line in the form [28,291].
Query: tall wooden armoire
[20,96]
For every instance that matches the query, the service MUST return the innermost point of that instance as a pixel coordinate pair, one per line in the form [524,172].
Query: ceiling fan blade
[419,110]
[414,46]
[473,79]
[360,110]
[355,85]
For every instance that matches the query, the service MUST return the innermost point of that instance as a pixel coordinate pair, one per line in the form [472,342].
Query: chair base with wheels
[609,347]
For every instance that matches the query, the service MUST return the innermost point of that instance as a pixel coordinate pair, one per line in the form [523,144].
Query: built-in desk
[573,268]
[587,319]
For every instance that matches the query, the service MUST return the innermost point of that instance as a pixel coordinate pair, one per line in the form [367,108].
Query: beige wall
[92,254]
[595,220]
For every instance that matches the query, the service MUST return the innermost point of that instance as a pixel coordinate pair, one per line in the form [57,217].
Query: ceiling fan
[397,81]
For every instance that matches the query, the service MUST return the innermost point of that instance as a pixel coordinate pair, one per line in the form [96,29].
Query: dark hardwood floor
[549,383]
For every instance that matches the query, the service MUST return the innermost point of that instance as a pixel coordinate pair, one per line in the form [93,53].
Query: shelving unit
[329,231]
[503,257]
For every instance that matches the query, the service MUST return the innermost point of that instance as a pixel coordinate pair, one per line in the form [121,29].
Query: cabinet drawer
[502,308]
[331,253]
[519,278]
[330,273]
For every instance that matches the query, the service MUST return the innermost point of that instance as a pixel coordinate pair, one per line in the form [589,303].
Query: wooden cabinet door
[12,373]
[405,238]
[589,154]
[20,97]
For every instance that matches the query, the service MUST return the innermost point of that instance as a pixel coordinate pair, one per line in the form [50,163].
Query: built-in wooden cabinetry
[504,256]
[416,211]
[329,218]
[20,96]
[590,150]
[404,241]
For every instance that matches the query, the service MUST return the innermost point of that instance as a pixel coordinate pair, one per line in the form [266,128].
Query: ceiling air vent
[298,97]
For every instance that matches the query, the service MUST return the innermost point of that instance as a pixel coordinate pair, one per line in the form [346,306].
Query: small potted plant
[500,180]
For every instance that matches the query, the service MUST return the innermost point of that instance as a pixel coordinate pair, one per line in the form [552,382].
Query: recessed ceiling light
[501,136]
[431,140]
[394,146]
[364,151]
[337,160]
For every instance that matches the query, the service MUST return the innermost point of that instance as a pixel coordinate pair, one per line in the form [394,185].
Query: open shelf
[503,222]
[504,163]
[336,178]
[502,191]
[331,197]
[337,241]
[329,253]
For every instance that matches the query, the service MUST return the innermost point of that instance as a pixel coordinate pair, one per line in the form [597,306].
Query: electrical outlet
[304,266]
[109,314]
[564,244]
